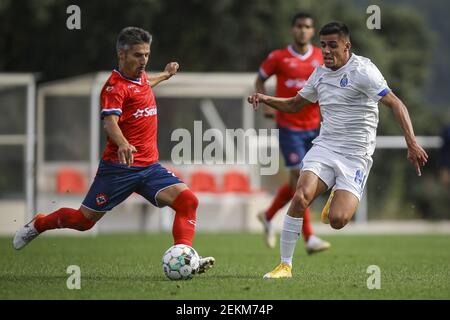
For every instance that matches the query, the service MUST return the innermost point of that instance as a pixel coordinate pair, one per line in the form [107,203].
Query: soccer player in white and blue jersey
[348,88]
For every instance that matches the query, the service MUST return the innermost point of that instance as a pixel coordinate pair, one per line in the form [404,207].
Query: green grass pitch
[128,266]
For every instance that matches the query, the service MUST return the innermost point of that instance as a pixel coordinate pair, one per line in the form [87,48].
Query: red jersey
[292,70]
[133,101]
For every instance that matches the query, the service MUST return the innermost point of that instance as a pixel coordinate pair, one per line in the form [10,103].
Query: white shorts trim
[320,177]
[351,191]
[93,209]
[162,189]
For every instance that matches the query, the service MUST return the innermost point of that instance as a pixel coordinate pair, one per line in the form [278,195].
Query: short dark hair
[300,15]
[335,27]
[130,36]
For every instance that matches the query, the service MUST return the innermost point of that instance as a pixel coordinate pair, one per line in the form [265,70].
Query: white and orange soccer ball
[180,262]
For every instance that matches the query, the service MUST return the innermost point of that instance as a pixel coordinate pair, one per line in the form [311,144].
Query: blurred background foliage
[411,50]
[232,35]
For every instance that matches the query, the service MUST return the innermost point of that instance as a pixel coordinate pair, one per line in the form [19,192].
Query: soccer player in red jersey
[130,160]
[292,66]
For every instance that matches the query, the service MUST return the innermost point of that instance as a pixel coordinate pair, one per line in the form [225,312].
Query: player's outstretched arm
[289,105]
[416,154]
[170,70]
[124,149]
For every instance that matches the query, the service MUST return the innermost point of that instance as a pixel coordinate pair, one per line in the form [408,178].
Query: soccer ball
[179,262]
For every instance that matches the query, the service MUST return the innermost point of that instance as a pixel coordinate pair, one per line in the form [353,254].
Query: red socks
[185,206]
[63,218]
[284,195]
[307,230]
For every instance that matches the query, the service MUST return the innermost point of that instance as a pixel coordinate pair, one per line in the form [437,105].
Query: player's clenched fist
[254,100]
[172,68]
[125,154]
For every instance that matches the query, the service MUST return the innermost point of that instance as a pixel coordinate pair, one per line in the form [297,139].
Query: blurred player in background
[130,160]
[444,158]
[348,88]
[292,66]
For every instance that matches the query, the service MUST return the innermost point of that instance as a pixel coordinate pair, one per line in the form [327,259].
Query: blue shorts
[295,144]
[114,182]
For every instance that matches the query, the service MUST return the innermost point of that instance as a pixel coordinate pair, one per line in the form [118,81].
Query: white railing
[28,138]
[394,142]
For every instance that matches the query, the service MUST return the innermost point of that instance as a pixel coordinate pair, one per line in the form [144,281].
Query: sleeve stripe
[111,110]
[384,92]
[262,74]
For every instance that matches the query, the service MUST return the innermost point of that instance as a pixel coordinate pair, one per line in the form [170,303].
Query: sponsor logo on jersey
[147,112]
[294,83]
[344,81]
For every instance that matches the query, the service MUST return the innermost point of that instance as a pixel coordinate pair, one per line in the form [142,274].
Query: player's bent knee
[81,223]
[191,199]
[338,222]
[86,226]
[186,199]
[301,200]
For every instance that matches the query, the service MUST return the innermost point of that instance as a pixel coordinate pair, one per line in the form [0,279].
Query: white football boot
[205,264]
[315,244]
[269,234]
[26,234]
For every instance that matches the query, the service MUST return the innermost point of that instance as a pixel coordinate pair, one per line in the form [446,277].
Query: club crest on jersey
[344,81]
[101,199]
